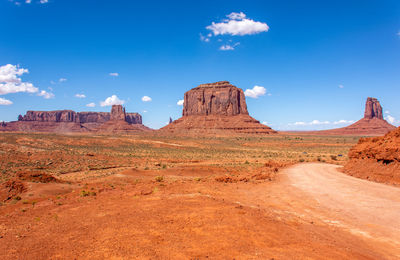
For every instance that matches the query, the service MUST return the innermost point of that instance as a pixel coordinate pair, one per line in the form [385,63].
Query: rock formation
[372,123]
[220,98]
[71,121]
[117,112]
[376,159]
[215,109]
[373,109]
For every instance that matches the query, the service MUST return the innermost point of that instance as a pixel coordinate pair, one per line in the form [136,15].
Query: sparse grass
[159,178]
[86,155]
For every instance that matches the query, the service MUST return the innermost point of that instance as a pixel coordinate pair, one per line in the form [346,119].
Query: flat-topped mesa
[216,109]
[49,116]
[373,109]
[219,98]
[117,113]
[64,121]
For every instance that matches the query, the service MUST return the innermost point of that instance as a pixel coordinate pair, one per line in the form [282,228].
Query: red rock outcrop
[373,109]
[71,121]
[220,98]
[215,109]
[118,112]
[372,123]
[376,159]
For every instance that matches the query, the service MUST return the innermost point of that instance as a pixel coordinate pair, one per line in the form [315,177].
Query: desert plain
[149,196]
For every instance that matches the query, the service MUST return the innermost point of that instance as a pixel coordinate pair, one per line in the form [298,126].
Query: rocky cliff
[215,109]
[373,109]
[117,113]
[220,98]
[71,121]
[376,159]
[371,124]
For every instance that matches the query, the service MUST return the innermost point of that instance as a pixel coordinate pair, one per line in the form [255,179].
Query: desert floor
[154,197]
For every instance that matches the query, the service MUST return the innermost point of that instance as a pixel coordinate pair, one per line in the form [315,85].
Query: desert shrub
[159,178]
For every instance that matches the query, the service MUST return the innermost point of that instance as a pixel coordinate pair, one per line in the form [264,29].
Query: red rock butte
[215,109]
[372,123]
[70,121]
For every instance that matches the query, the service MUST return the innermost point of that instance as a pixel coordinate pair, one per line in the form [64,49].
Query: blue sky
[318,61]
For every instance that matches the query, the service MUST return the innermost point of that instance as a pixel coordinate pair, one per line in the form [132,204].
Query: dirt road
[311,211]
[362,207]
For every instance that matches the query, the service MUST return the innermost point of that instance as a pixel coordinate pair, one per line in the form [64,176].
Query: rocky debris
[376,159]
[220,98]
[373,109]
[215,109]
[372,123]
[63,121]
[11,189]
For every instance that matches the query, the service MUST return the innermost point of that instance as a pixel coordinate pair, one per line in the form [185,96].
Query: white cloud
[28,1]
[398,33]
[10,81]
[5,102]
[204,38]
[255,92]
[341,86]
[228,47]
[80,95]
[146,99]
[45,94]
[390,119]
[339,122]
[113,100]
[144,111]
[236,16]
[44,1]
[387,112]
[180,102]
[62,80]
[317,122]
[91,105]
[114,74]
[237,24]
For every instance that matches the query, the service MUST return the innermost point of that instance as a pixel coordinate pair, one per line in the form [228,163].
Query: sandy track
[364,208]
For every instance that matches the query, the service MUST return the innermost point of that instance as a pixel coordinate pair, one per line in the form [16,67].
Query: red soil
[376,159]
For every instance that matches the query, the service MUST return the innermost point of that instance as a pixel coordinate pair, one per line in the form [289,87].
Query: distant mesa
[372,123]
[70,121]
[216,108]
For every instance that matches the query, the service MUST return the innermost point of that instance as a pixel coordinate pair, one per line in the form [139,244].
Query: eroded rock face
[117,113]
[133,118]
[64,121]
[50,116]
[220,98]
[373,109]
[216,109]
[376,159]
[371,124]
[93,117]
